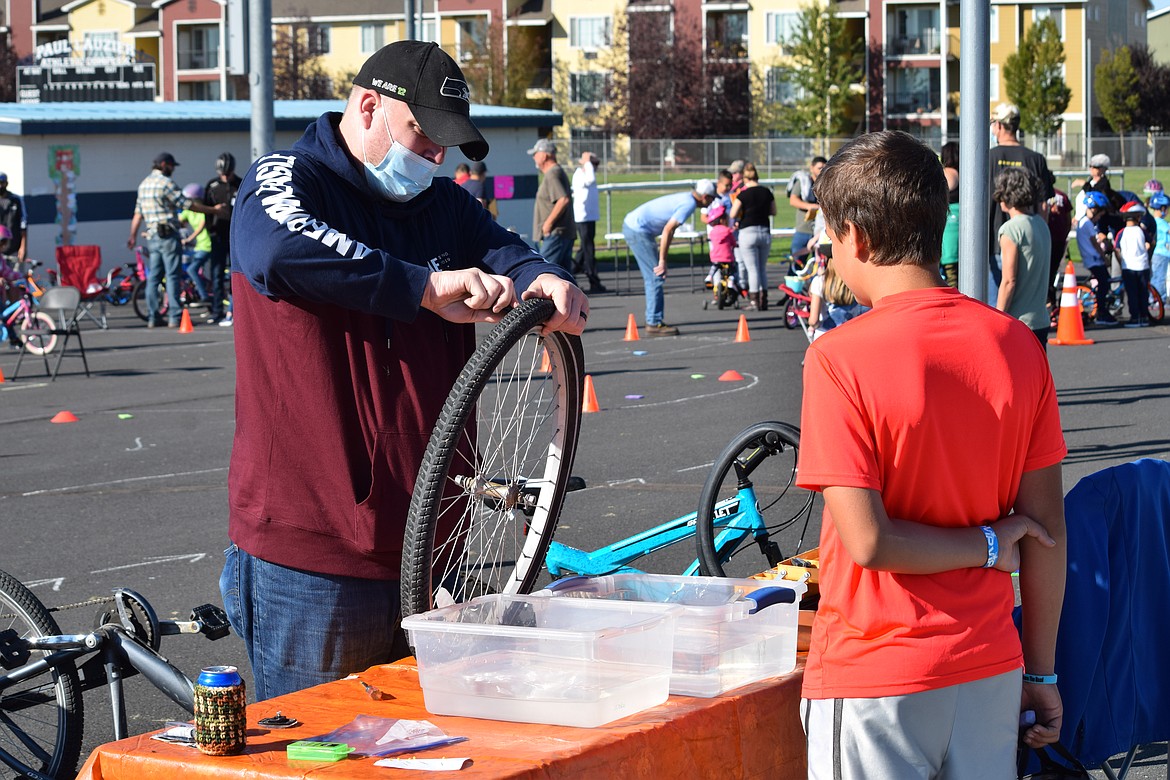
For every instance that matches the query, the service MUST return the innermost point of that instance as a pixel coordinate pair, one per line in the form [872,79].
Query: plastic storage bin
[535,659]
[731,631]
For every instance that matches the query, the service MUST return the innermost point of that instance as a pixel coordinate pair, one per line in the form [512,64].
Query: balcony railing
[922,44]
[198,60]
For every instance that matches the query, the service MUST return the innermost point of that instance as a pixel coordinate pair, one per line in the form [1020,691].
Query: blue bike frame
[738,517]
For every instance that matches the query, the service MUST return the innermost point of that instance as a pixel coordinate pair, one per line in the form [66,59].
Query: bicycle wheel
[1156,307]
[758,464]
[33,332]
[1088,299]
[791,320]
[40,718]
[139,298]
[493,477]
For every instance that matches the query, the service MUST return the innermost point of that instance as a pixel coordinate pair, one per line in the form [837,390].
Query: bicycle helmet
[1133,207]
[1159,200]
[1095,200]
[225,163]
[1152,186]
[714,212]
[193,191]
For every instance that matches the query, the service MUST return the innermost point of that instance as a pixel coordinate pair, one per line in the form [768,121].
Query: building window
[472,38]
[994,23]
[1056,14]
[199,90]
[913,31]
[318,38]
[589,88]
[727,34]
[373,38]
[914,90]
[198,47]
[781,27]
[993,78]
[590,32]
[778,89]
[429,30]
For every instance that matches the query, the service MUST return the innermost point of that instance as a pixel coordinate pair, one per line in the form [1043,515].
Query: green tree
[823,65]
[1035,82]
[1115,84]
[297,71]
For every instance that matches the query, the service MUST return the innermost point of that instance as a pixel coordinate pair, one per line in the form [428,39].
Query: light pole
[829,94]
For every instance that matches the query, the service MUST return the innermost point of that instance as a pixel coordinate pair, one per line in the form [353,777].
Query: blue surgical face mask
[402,174]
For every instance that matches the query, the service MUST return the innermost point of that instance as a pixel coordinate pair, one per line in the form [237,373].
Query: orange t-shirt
[940,403]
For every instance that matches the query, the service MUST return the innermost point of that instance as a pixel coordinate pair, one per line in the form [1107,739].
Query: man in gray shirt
[552,216]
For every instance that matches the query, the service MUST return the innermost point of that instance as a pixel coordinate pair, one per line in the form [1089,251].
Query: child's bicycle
[43,673]
[494,476]
[23,326]
[1115,300]
[725,293]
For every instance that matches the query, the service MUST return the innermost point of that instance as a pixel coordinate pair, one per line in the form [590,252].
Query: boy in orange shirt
[931,428]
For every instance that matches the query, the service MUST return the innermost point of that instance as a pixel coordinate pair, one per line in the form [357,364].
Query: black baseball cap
[425,77]
[165,157]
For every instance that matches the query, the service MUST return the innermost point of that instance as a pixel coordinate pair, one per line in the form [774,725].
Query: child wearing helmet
[1092,242]
[196,241]
[1134,249]
[1159,204]
[722,245]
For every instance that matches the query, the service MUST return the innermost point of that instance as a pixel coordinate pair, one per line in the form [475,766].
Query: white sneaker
[225,322]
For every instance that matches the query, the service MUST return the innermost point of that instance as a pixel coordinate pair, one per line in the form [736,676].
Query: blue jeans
[557,248]
[216,266]
[165,255]
[755,243]
[645,250]
[194,267]
[1159,265]
[303,629]
[799,244]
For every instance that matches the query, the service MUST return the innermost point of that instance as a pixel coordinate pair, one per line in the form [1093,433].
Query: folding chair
[78,267]
[64,305]
[1113,643]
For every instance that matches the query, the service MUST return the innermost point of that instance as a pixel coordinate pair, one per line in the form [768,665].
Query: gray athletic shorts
[962,732]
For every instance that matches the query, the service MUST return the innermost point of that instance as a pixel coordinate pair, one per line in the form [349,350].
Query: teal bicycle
[497,467]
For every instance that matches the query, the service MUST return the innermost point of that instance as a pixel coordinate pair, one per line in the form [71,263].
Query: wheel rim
[1156,307]
[502,477]
[34,713]
[782,505]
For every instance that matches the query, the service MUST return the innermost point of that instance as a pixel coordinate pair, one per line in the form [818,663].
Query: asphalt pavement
[134,493]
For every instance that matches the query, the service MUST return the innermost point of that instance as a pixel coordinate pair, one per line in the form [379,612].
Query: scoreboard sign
[61,83]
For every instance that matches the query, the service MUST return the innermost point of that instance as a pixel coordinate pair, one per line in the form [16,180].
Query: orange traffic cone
[731,376]
[545,362]
[741,333]
[1,376]
[185,325]
[64,416]
[631,329]
[590,402]
[1070,331]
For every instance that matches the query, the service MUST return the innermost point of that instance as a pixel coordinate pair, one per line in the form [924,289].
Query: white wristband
[992,546]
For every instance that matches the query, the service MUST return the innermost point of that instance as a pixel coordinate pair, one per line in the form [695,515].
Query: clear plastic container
[534,659]
[731,631]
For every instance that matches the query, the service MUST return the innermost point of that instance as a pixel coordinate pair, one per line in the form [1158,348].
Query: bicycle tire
[1088,298]
[38,716]
[36,340]
[482,461]
[782,504]
[139,299]
[1156,307]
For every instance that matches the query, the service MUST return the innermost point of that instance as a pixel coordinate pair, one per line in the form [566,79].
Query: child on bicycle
[1160,260]
[8,272]
[940,471]
[722,248]
[832,303]
[1096,251]
[1134,248]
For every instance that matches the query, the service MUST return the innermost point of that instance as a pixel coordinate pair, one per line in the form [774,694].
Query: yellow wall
[100,15]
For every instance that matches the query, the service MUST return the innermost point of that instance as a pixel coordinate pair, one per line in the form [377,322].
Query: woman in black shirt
[754,208]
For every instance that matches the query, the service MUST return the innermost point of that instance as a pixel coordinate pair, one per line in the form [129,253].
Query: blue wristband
[992,546]
[1040,679]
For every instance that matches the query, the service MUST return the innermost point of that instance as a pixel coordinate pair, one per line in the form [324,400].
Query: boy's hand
[1044,700]
[1010,530]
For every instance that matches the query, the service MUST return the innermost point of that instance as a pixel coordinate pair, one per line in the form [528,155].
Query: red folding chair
[78,266]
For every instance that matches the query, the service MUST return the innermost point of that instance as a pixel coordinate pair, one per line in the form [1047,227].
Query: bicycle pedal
[213,619]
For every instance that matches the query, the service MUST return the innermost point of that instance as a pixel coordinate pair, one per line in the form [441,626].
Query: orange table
[753,732]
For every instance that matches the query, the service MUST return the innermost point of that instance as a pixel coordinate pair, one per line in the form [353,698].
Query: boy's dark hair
[817,159]
[891,187]
[1016,188]
[724,174]
[948,154]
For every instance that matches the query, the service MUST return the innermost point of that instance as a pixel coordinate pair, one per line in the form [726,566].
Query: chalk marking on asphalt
[189,558]
[70,488]
[56,582]
[137,445]
[755,381]
[634,481]
[14,386]
[695,468]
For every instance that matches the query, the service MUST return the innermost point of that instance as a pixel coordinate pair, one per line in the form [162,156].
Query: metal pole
[408,12]
[260,77]
[974,194]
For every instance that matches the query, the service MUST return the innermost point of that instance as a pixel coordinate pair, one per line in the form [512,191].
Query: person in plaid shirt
[156,213]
